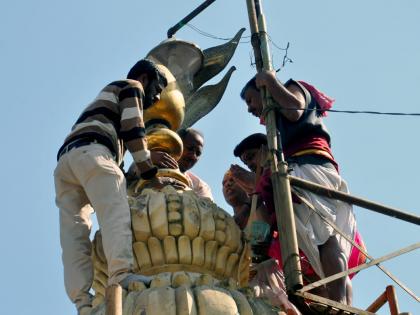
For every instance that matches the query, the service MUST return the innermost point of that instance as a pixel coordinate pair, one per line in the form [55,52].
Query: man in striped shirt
[88,177]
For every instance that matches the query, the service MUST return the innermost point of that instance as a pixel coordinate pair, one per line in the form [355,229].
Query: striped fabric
[117,114]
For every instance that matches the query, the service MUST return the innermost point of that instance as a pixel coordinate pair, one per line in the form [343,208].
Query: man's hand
[244,178]
[163,160]
[160,182]
[265,79]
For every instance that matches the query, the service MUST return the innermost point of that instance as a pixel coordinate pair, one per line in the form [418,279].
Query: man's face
[193,147]
[152,92]
[253,101]
[250,158]
[233,193]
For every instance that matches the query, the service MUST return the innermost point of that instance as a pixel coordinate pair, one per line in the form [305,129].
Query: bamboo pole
[377,304]
[334,304]
[113,300]
[331,193]
[278,165]
[391,296]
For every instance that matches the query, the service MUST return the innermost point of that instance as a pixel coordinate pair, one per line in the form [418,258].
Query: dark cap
[148,67]
[254,141]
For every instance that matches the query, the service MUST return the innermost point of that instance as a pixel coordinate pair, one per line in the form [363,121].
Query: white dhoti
[312,231]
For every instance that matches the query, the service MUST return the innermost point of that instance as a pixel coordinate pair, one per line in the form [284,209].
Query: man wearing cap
[88,178]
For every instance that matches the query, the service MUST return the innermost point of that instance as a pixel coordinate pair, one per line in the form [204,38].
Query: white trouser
[88,178]
[312,231]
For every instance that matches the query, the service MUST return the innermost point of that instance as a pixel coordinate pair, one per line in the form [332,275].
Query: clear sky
[57,55]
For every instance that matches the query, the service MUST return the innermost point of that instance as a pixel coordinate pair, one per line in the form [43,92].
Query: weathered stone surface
[171,250]
[156,251]
[185,303]
[191,248]
[241,302]
[158,215]
[161,301]
[214,301]
[184,248]
[198,251]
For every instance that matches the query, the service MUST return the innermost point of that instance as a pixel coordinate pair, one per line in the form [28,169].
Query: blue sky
[57,55]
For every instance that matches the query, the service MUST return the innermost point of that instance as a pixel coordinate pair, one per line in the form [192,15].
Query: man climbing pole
[306,146]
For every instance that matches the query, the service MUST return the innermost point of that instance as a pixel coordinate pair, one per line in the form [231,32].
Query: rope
[286,59]
[267,109]
[206,34]
[276,107]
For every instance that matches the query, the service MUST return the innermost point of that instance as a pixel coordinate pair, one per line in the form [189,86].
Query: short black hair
[186,131]
[254,141]
[250,84]
[148,67]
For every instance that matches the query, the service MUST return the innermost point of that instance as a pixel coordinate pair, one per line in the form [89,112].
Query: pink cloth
[325,102]
[356,256]
[275,252]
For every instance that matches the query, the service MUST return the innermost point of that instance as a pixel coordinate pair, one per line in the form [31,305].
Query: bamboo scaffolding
[331,303]
[334,194]
[388,296]
[278,165]
[351,241]
[361,267]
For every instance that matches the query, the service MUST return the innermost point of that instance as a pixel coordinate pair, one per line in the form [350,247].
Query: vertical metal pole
[281,185]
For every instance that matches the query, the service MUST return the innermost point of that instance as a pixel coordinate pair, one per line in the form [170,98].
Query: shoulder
[194,178]
[199,186]
[126,84]
[296,87]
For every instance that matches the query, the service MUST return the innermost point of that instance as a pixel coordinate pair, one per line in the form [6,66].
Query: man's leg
[349,291]
[105,186]
[333,261]
[75,226]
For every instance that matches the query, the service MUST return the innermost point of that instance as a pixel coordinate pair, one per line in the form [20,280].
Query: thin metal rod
[334,194]
[361,267]
[332,303]
[189,17]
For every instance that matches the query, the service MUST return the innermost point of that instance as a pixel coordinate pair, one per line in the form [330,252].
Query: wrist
[150,173]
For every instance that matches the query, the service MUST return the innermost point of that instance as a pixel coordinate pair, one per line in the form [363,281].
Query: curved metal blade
[205,100]
[215,60]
